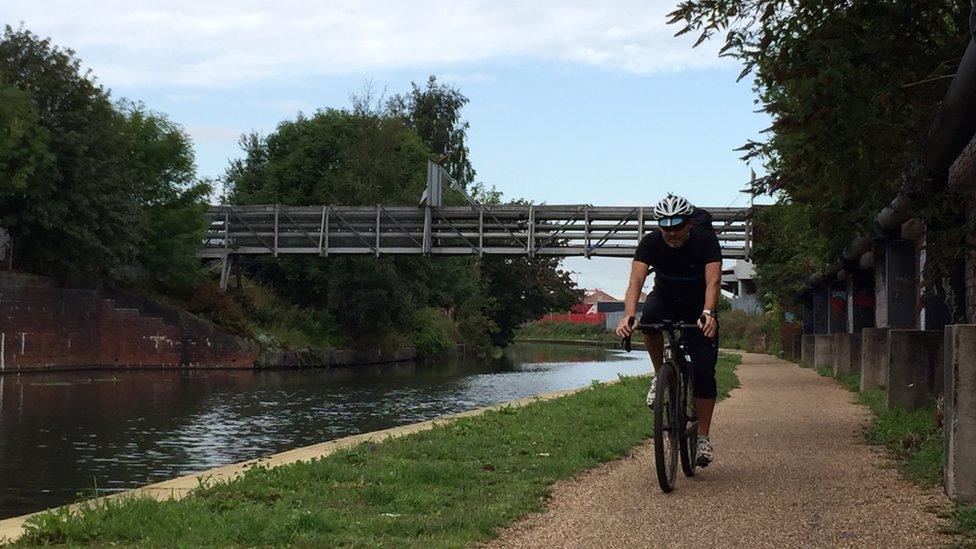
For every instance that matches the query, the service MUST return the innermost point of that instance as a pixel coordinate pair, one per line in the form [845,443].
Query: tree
[342,158]
[75,216]
[518,289]
[852,87]
[524,289]
[23,143]
[91,189]
[434,112]
[160,160]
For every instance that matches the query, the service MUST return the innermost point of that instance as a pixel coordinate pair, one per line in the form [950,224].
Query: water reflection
[70,433]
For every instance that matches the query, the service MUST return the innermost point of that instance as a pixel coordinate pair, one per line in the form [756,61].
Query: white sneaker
[705,452]
[652,392]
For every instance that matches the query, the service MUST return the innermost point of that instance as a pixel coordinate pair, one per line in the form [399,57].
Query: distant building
[740,281]
[597,307]
[590,300]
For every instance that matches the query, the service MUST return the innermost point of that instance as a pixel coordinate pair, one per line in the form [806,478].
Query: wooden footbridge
[432,229]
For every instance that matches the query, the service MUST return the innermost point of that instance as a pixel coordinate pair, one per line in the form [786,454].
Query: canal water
[69,435]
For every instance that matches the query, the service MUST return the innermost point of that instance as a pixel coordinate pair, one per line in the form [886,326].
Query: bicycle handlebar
[665,325]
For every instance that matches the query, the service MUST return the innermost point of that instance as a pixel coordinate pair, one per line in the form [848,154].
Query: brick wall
[47,327]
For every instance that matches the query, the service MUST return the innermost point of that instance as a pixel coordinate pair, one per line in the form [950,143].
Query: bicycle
[675,415]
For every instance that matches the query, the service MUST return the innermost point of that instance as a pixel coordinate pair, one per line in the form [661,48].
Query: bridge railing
[481,229]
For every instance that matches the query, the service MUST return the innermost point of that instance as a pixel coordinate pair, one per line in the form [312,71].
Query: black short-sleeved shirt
[679,273]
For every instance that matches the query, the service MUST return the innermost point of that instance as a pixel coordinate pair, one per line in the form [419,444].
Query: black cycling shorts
[702,350]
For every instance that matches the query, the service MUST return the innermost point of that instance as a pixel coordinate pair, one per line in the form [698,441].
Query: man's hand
[625,327]
[708,325]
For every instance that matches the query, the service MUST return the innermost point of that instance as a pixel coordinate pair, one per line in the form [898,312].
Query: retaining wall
[44,326]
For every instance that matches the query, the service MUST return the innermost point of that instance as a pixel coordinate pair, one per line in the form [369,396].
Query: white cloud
[203,133]
[221,43]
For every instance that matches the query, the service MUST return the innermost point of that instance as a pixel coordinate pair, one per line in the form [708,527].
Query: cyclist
[687,263]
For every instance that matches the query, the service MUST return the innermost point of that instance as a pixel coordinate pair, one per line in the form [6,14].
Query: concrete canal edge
[180,487]
[591,342]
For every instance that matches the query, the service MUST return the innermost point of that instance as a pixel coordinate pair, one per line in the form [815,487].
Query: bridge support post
[837,307]
[225,268]
[915,366]
[847,354]
[896,268]
[874,358]
[959,421]
[808,312]
[807,349]
[860,300]
[820,305]
[823,350]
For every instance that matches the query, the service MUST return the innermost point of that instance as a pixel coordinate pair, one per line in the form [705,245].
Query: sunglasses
[672,224]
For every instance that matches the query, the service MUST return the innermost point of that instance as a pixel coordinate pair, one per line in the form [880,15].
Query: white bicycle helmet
[672,210]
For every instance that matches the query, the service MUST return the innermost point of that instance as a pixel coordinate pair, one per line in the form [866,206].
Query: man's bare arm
[713,284]
[638,274]
[713,287]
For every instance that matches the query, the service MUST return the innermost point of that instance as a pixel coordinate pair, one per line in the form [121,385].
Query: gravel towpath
[791,470]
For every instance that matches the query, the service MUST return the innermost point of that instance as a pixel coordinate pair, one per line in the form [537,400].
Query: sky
[570,102]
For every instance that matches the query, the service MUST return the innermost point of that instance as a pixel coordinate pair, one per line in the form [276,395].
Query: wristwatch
[708,312]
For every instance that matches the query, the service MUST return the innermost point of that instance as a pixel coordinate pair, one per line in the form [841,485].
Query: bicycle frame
[675,352]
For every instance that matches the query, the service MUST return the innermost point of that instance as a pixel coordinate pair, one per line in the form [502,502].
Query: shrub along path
[792,470]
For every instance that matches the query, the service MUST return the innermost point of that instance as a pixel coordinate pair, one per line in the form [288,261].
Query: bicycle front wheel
[667,431]
[689,435]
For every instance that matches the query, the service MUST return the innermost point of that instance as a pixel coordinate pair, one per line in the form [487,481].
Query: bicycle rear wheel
[666,427]
[689,435]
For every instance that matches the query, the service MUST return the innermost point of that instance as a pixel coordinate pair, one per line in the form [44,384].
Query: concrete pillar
[915,366]
[900,282]
[860,292]
[959,420]
[837,307]
[823,351]
[807,349]
[808,318]
[847,354]
[880,286]
[874,358]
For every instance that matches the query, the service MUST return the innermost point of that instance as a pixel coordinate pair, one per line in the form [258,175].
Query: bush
[434,333]
[208,301]
[742,330]
[287,324]
[757,333]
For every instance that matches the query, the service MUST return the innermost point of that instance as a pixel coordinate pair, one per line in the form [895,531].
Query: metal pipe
[955,123]
[857,247]
[951,130]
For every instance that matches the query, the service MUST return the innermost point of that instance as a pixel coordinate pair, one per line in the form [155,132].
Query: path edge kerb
[177,488]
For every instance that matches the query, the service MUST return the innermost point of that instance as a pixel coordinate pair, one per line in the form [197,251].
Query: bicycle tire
[689,435]
[666,431]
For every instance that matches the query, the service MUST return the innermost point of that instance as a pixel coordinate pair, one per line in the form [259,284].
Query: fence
[575,318]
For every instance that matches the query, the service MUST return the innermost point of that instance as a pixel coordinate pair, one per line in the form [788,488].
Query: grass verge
[915,440]
[451,486]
